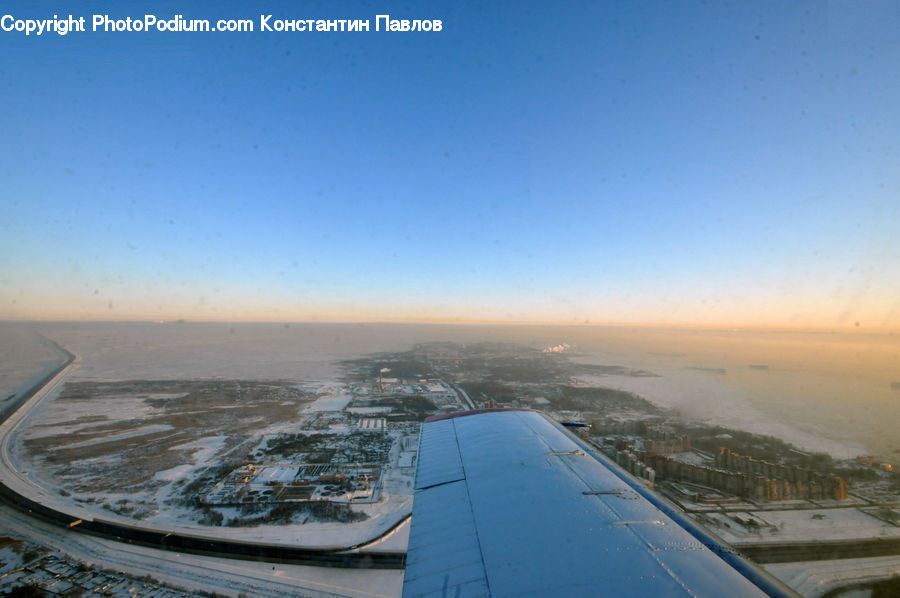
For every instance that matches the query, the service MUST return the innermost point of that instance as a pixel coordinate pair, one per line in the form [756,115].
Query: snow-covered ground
[332,399]
[134,433]
[802,525]
[394,502]
[201,452]
[229,577]
[817,578]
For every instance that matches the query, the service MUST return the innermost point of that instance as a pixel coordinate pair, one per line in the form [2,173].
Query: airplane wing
[507,503]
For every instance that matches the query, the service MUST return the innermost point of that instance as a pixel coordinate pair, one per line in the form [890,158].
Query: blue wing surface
[507,503]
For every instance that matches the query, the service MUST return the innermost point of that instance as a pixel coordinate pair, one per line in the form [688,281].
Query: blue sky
[731,163]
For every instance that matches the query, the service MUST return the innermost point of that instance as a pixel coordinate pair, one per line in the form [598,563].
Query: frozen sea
[824,391]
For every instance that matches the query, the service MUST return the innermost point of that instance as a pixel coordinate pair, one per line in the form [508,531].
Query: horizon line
[468,322]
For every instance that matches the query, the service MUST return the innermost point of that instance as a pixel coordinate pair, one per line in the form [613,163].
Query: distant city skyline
[646,164]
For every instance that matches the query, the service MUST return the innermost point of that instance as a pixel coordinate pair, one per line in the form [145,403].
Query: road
[464,397]
[12,476]
[792,552]
[196,573]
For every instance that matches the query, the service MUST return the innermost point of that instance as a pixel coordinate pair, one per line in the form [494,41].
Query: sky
[726,163]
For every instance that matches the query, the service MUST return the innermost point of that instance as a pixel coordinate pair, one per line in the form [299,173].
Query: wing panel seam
[444,483]
[462,464]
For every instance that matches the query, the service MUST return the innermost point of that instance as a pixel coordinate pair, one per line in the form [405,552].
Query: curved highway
[20,492]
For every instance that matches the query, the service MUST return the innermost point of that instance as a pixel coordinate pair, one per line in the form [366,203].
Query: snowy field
[105,447]
[801,525]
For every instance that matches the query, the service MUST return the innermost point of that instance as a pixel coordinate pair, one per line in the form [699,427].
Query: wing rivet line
[623,494]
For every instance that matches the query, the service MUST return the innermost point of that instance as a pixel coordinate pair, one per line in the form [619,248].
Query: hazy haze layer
[823,391]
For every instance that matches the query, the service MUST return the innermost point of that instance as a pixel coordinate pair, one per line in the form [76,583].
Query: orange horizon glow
[335,319]
[809,311]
